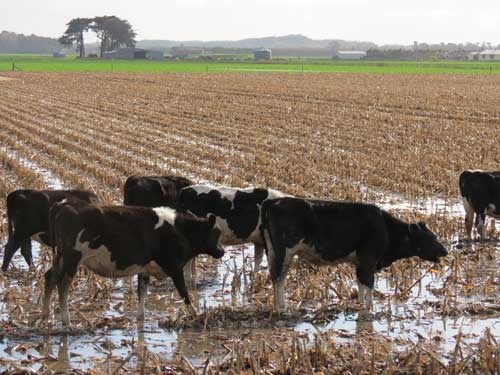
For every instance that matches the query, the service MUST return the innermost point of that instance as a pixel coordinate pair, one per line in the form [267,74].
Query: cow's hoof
[366,316]
[277,312]
[192,311]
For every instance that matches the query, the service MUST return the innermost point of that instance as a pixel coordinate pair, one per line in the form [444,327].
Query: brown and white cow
[119,241]
[28,218]
[157,191]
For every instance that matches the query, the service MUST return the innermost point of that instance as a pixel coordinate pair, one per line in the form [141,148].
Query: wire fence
[51,64]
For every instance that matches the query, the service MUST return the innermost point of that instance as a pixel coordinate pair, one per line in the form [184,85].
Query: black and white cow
[330,232]
[119,241]
[480,193]
[157,191]
[28,218]
[153,191]
[237,211]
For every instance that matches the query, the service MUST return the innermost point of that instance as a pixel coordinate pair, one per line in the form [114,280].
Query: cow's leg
[13,243]
[142,291]
[190,272]
[50,284]
[26,252]
[259,254]
[469,218]
[361,292]
[279,269]
[68,266]
[491,232]
[365,272]
[481,224]
[180,285]
[63,289]
[276,258]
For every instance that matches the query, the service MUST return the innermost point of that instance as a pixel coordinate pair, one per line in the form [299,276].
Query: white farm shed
[486,55]
[350,55]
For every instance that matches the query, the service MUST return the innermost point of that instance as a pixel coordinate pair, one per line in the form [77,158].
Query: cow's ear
[211,220]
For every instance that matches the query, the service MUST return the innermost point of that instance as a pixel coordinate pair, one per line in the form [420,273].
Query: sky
[382,21]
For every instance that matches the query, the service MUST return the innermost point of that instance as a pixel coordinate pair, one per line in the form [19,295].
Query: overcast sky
[382,21]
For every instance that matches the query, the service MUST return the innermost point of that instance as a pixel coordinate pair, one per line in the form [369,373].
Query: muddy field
[398,141]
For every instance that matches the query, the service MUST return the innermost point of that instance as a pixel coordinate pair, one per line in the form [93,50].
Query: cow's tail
[462,182]
[10,226]
[265,225]
[11,198]
[52,221]
[128,191]
[53,212]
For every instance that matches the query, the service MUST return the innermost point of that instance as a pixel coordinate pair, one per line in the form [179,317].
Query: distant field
[45,63]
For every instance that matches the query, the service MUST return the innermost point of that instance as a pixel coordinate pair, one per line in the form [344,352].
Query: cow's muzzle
[218,253]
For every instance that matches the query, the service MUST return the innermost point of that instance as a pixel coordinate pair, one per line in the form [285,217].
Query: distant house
[58,55]
[262,54]
[486,55]
[350,55]
[128,53]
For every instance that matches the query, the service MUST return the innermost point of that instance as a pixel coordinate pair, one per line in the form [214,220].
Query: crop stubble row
[309,135]
[276,129]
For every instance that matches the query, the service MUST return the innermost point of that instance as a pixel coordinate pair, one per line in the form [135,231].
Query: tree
[74,34]
[113,33]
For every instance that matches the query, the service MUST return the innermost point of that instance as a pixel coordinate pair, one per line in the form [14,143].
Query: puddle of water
[407,320]
[48,177]
[426,206]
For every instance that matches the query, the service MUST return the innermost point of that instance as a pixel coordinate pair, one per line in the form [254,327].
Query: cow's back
[153,191]
[331,227]
[27,206]
[119,225]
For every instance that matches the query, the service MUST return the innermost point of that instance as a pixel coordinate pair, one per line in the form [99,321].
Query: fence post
[13,66]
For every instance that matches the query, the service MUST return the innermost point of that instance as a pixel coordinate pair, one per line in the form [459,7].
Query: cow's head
[203,234]
[424,243]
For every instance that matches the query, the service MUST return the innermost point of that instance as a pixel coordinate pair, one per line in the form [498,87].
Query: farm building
[486,55]
[154,55]
[263,54]
[130,53]
[350,55]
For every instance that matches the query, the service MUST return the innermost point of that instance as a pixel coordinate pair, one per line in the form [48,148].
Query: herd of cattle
[166,221]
